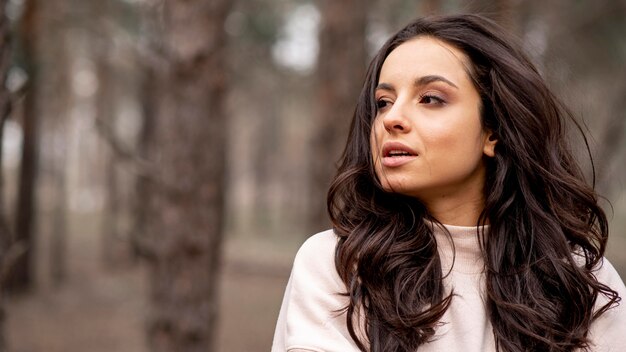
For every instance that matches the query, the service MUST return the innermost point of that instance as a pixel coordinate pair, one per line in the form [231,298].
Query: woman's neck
[458,213]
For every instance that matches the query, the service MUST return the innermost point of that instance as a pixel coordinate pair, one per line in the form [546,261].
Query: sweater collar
[460,250]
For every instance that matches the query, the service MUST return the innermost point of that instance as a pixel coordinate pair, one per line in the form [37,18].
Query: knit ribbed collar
[464,244]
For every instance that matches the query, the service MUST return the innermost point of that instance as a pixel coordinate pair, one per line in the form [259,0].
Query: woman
[461,219]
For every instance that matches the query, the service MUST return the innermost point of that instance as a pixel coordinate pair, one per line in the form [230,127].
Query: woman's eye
[431,100]
[381,104]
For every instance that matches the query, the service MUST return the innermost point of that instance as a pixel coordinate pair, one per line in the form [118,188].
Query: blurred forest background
[162,160]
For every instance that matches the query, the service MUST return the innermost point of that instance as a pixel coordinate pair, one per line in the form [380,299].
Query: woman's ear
[489,145]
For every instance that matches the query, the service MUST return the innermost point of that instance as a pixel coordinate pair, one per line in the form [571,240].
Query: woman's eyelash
[428,99]
[431,99]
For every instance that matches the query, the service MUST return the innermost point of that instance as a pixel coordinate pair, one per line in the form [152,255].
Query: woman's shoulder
[606,273]
[317,253]
[311,316]
[321,241]
[607,331]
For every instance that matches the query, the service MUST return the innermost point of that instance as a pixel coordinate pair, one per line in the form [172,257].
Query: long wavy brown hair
[547,232]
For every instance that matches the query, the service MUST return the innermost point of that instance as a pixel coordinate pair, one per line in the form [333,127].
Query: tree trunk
[340,73]
[613,133]
[430,7]
[105,117]
[148,99]
[5,107]
[20,276]
[56,100]
[502,11]
[110,218]
[58,238]
[187,187]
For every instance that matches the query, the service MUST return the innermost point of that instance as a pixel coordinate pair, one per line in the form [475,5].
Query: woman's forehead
[425,55]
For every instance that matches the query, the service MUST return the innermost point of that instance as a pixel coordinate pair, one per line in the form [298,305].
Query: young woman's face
[427,139]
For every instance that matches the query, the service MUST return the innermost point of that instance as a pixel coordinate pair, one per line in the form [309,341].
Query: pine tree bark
[340,72]
[502,11]
[105,106]
[5,107]
[430,7]
[148,98]
[56,102]
[187,188]
[20,276]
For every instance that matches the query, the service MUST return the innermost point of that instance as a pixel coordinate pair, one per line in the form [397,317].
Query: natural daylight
[163,162]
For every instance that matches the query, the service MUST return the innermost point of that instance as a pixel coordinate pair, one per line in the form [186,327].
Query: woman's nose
[396,119]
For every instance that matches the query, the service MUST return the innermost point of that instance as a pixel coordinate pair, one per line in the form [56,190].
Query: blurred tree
[502,11]
[186,187]
[588,35]
[124,66]
[260,82]
[5,106]
[20,276]
[431,7]
[149,95]
[55,101]
[340,74]
[105,122]
[147,98]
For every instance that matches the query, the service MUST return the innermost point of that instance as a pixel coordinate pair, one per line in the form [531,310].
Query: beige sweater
[308,320]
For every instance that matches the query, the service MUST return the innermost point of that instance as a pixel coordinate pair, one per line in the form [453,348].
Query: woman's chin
[397,187]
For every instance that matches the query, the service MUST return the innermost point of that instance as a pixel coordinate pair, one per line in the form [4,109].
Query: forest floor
[103,309]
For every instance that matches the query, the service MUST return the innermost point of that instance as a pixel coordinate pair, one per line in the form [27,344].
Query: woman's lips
[395,161]
[395,154]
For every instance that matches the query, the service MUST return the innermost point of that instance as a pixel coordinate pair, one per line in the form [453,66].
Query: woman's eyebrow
[424,80]
[385,86]
[420,82]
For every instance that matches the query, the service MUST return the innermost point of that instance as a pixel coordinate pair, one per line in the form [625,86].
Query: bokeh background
[162,160]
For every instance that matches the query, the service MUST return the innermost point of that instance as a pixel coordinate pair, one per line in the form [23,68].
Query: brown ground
[100,310]
[103,310]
